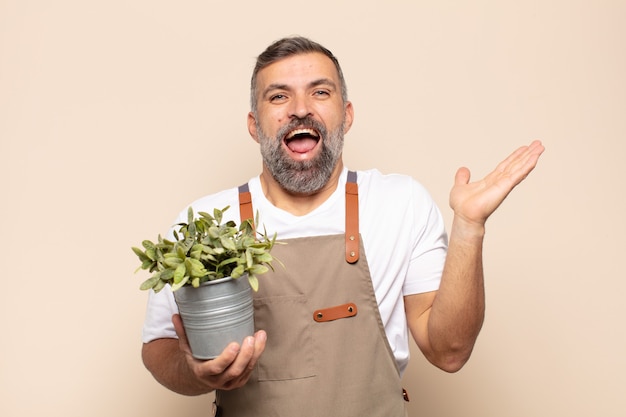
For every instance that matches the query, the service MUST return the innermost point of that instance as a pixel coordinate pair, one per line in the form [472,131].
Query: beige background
[116,114]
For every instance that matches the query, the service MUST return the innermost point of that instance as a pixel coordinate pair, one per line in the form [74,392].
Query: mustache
[306,122]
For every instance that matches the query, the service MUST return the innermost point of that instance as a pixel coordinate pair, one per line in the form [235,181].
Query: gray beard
[301,177]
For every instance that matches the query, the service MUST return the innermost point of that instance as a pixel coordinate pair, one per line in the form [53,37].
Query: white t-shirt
[403,235]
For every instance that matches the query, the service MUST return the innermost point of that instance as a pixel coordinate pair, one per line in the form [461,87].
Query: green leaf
[256,250]
[264,258]
[142,256]
[159,286]
[195,267]
[209,258]
[254,282]
[227,261]
[218,215]
[147,264]
[190,215]
[192,229]
[238,271]
[159,255]
[147,244]
[167,275]
[171,261]
[249,258]
[150,282]
[151,254]
[208,249]
[258,269]
[214,232]
[182,282]
[227,243]
[179,274]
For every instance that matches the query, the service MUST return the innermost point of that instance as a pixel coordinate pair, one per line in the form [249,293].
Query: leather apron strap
[352,218]
[245,203]
[352,214]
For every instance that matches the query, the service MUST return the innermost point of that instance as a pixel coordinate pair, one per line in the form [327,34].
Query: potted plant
[211,267]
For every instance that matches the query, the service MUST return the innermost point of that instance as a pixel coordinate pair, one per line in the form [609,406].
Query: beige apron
[327,353]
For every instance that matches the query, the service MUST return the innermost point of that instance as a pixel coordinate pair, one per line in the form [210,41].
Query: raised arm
[446,323]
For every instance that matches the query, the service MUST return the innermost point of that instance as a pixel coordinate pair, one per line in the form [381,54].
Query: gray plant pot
[215,314]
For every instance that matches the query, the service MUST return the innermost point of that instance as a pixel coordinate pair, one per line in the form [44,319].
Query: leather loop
[333,313]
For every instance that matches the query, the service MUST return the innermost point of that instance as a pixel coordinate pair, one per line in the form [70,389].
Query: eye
[277,98]
[321,93]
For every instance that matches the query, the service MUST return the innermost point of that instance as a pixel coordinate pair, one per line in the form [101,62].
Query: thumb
[180,332]
[462,176]
[177,321]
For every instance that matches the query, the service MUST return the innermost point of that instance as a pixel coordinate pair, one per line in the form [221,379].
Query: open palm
[476,201]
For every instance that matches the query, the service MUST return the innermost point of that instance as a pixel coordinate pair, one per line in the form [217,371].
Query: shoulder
[390,187]
[396,201]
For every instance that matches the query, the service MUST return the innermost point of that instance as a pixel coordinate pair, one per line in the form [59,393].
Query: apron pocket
[289,349]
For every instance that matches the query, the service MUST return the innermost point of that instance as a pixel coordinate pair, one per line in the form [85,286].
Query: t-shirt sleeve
[430,245]
[161,306]
[158,321]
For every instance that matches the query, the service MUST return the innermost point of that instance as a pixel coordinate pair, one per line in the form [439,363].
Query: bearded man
[376,242]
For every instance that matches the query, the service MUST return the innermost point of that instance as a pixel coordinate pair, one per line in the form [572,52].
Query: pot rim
[219,280]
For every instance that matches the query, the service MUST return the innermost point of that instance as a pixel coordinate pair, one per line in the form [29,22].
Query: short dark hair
[287,47]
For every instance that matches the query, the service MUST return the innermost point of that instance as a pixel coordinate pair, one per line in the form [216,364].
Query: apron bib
[327,353]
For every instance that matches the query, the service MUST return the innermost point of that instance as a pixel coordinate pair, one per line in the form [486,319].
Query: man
[372,241]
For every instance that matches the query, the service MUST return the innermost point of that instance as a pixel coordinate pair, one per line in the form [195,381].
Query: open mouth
[302,140]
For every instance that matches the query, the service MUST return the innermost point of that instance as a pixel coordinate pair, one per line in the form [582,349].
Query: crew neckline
[260,201]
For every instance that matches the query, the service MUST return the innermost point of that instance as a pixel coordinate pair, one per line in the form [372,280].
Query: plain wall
[115,114]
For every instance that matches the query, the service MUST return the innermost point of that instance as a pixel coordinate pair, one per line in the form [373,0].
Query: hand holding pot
[232,368]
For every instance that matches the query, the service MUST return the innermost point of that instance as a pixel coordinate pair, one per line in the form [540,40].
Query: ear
[252,127]
[349,115]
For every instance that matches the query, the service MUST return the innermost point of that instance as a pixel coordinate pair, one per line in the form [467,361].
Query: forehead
[296,69]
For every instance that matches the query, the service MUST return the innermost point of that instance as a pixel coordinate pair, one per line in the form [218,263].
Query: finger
[177,321]
[462,176]
[525,162]
[519,154]
[516,167]
[535,150]
[240,365]
[260,339]
[532,157]
[531,152]
[537,146]
[224,361]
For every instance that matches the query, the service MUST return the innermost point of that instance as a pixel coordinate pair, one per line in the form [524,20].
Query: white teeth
[301,132]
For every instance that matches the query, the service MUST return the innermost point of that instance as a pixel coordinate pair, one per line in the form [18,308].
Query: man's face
[300,121]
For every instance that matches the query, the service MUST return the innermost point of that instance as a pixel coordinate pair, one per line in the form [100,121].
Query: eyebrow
[315,83]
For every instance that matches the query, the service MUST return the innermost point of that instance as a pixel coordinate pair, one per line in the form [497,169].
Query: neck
[294,203]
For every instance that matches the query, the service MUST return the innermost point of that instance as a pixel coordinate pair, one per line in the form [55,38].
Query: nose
[300,107]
